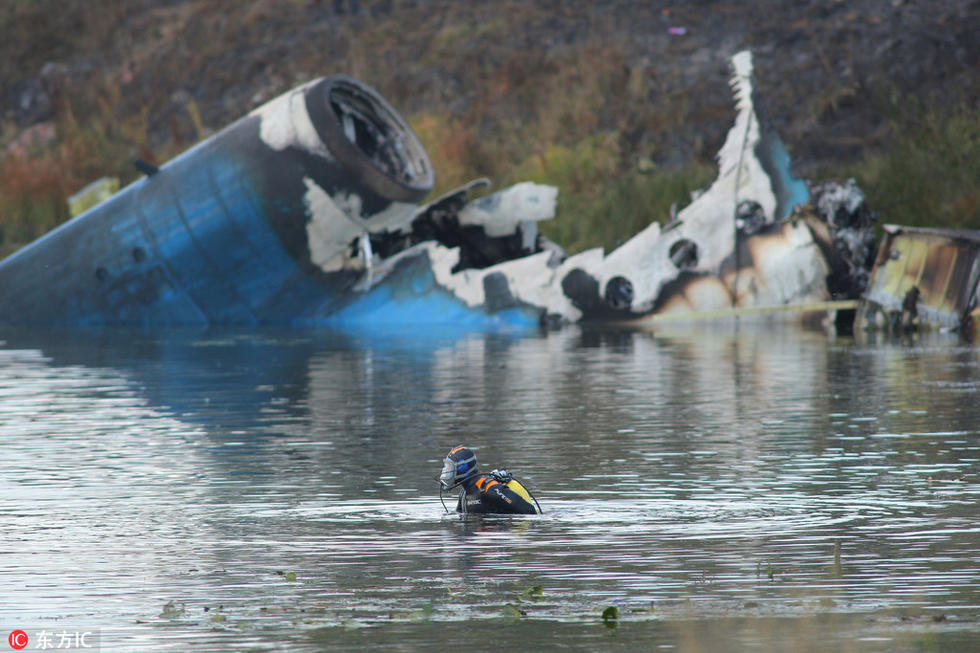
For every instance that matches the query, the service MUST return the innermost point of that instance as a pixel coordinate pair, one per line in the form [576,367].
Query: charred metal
[924,278]
[307,212]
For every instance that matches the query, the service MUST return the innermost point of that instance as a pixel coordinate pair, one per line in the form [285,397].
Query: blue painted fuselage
[218,236]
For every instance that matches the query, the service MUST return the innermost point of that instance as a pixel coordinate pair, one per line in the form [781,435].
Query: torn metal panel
[924,277]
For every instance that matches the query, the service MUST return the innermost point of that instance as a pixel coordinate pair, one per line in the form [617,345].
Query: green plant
[927,175]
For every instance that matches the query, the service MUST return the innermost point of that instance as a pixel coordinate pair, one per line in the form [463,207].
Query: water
[275,490]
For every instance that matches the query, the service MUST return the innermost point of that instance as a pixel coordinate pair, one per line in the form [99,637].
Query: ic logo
[17,639]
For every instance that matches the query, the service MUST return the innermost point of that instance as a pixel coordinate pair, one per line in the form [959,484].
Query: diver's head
[458,466]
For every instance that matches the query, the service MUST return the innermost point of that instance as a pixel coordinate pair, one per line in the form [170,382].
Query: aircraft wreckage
[306,212]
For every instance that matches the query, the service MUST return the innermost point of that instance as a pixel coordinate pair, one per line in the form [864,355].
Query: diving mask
[459,465]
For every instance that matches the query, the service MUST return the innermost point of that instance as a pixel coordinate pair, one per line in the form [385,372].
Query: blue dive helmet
[459,465]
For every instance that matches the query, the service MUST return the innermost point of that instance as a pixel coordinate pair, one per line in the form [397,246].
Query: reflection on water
[276,489]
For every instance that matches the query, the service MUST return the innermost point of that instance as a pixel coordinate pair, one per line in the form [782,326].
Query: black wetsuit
[485,493]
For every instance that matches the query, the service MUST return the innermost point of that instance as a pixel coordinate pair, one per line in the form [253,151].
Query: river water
[275,490]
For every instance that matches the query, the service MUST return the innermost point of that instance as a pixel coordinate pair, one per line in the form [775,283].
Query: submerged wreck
[306,212]
[924,277]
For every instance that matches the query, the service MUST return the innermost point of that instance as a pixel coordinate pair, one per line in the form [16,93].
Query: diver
[497,492]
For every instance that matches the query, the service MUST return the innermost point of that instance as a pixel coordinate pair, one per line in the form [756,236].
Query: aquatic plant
[610,616]
[534,592]
[172,610]
[770,572]
[425,613]
[835,570]
[511,610]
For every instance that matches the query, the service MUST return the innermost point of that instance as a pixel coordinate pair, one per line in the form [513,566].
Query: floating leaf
[610,616]
[532,592]
[424,614]
[291,576]
[511,610]
[172,611]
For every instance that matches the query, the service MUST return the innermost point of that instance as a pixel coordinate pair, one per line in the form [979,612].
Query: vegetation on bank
[930,175]
[585,115]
